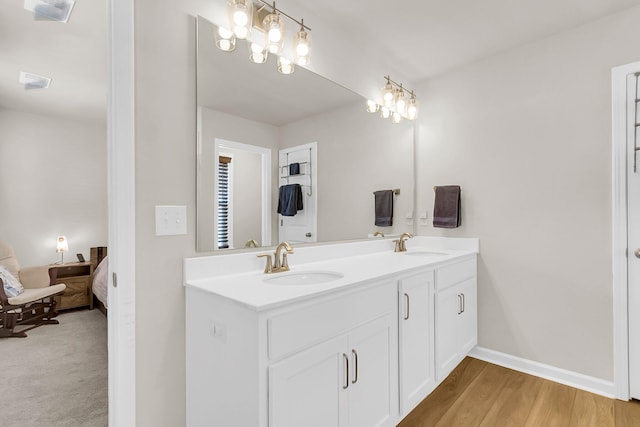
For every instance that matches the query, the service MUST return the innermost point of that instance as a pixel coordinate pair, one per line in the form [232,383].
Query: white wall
[247,196]
[527,134]
[53,181]
[358,153]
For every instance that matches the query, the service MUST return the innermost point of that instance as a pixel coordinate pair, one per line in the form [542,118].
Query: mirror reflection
[289,157]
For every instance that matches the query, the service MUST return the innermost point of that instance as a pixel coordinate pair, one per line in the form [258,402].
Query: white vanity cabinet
[345,381]
[361,351]
[416,339]
[456,325]
[330,361]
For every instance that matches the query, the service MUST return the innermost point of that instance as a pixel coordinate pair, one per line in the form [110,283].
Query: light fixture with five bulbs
[397,102]
[245,17]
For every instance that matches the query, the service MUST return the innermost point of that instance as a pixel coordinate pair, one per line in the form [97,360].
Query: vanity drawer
[311,324]
[455,273]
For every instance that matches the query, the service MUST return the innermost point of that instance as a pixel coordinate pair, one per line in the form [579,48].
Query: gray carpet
[57,376]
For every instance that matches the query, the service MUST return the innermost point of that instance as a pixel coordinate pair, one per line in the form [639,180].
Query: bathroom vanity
[353,335]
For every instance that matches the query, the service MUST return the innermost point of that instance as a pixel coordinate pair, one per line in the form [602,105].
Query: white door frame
[619,219]
[265,160]
[121,197]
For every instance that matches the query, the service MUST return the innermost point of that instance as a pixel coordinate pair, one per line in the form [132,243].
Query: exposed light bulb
[240,18]
[225,39]
[396,117]
[258,53]
[385,113]
[412,109]
[372,106]
[240,14]
[388,94]
[401,101]
[285,66]
[274,26]
[303,47]
[275,35]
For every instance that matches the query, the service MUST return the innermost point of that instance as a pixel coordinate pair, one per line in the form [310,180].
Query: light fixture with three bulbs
[268,37]
[397,102]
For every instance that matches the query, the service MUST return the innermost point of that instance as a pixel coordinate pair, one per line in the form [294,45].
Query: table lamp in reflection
[62,247]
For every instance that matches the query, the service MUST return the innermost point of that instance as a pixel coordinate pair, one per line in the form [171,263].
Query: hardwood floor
[481,394]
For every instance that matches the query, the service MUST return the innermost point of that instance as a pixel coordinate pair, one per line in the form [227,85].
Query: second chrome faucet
[279,263]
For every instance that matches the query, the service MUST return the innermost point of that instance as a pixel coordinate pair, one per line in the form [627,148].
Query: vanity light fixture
[258,54]
[248,15]
[372,107]
[285,66]
[225,39]
[274,28]
[303,45]
[240,17]
[394,102]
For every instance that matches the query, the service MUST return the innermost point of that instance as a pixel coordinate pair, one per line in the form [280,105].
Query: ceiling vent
[51,10]
[34,81]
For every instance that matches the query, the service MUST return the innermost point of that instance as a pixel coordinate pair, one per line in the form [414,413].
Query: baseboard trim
[548,372]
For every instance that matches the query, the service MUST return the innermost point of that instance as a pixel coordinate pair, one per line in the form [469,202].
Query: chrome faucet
[279,263]
[400,243]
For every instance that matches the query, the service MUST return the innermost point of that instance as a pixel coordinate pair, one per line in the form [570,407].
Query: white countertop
[247,286]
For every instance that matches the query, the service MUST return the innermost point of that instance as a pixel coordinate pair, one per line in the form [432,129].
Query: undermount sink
[303,278]
[425,253]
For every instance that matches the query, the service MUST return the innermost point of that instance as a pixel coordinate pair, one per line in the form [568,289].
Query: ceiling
[72,54]
[226,80]
[423,37]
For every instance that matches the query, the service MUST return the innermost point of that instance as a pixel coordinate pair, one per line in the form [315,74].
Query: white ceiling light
[34,81]
[52,10]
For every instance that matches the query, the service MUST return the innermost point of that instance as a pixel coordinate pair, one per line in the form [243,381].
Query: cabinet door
[467,321]
[448,309]
[373,374]
[416,340]
[307,389]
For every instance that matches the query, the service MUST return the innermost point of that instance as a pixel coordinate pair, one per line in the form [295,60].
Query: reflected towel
[290,199]
[446,207]
[294,169]
[384,208]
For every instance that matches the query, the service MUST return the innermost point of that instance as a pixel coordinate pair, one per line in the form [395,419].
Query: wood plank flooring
[481,394]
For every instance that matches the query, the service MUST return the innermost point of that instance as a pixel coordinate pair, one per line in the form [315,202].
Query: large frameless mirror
[264,136]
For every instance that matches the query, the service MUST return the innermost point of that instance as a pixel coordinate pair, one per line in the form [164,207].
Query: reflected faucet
[400,243]
[251,243]
[279,263]
[378,233]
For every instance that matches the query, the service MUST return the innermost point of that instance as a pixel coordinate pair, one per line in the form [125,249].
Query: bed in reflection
[100,277]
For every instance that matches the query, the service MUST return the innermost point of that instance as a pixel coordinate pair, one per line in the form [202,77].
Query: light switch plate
[171,220]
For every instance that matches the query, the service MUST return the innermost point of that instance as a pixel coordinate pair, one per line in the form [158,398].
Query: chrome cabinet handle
[407,301]
[355,363]
[463,302]
[346,377]
[637,253]
[459,303]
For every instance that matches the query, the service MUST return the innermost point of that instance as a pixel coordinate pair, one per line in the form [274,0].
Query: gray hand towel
[446,208]
[290,199]
[384,208]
